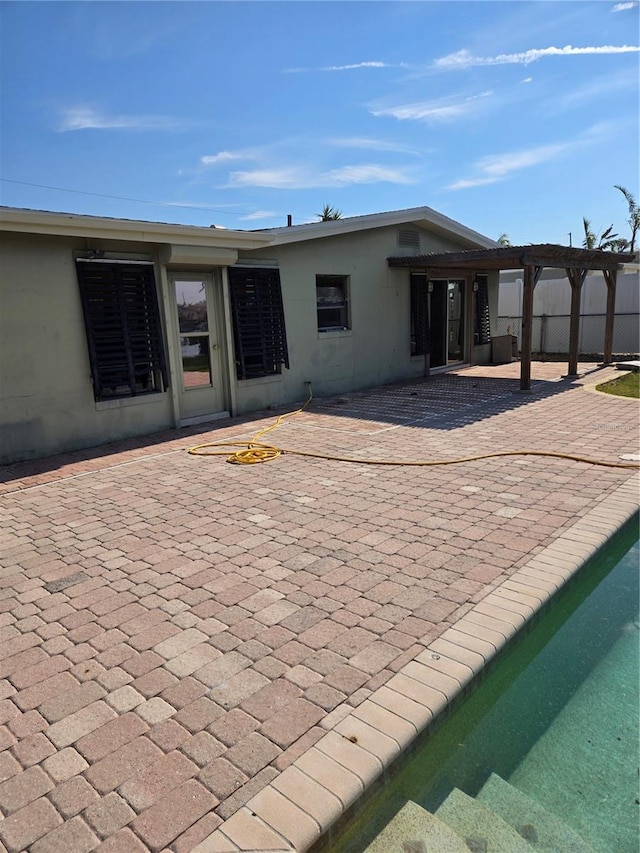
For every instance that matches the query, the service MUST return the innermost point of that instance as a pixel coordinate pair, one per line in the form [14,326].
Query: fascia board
[421,216]
[100,228]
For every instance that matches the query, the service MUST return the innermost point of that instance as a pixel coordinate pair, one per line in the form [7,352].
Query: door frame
[218,337]
[443,319]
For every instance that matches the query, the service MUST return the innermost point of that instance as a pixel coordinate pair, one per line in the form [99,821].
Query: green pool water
[557,718]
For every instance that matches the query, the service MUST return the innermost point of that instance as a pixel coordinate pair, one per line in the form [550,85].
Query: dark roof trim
[516,257]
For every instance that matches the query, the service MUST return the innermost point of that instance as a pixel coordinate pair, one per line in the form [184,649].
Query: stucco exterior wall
[46,395]
[375,349]
[47,404]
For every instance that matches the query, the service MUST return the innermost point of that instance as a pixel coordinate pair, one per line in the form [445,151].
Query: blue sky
[514,117]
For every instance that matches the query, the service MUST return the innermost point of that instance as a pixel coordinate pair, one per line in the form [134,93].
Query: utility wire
[118,197]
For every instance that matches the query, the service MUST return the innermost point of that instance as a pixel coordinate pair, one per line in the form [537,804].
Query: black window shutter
[420,314]
[124,332]
[483,322]
[259,331]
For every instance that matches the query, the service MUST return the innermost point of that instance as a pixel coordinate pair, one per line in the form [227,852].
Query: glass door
[438,318]
[201,388]
[455,321]
[447,324]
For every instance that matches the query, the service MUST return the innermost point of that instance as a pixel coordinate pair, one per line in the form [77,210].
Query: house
[111,328]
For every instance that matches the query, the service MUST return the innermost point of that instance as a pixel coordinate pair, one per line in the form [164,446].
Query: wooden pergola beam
[515,257]
[532,259]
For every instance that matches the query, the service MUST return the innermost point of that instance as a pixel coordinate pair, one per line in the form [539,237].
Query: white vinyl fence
[550,334]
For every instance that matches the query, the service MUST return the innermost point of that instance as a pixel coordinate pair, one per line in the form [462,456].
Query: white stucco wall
[376,348]
[46,396]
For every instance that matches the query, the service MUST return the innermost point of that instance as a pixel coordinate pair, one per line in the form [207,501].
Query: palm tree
[605,242]
[329,213]
[634,216]
[590,238]
[504,240]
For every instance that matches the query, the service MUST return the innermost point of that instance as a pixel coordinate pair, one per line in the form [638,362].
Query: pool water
[557,718]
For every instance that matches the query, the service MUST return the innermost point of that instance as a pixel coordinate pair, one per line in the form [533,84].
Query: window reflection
[193,322]
[196,361]
[191,300]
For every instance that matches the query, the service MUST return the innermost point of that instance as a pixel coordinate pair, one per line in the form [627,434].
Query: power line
[118,197]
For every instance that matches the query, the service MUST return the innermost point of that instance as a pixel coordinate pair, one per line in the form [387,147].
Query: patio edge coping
[293,811]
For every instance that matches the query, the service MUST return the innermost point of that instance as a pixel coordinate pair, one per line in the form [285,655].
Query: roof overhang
[105,228]
[422,217]
[515,258]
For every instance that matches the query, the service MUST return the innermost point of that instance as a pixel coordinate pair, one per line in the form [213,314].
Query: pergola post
[532,259]
[610,277]
[527,327]
[576,279]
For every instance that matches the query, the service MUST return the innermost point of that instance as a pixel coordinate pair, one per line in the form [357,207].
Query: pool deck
[208,657]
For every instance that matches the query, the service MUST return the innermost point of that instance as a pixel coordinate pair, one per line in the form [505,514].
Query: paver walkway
[176,631]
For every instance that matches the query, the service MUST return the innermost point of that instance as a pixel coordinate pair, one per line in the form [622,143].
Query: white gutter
[104,228]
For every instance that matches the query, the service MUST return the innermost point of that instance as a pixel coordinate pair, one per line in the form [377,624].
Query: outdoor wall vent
[408,238]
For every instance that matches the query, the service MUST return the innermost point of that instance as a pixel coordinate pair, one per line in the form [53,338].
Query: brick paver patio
[176,631]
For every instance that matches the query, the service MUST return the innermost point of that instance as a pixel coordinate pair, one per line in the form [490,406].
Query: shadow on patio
[442,402]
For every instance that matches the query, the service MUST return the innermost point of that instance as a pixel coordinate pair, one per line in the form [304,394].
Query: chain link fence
[550,334]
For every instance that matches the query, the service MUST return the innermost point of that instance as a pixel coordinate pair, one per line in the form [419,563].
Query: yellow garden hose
[255,451]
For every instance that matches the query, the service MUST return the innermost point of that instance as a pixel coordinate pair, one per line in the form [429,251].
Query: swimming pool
[554,724]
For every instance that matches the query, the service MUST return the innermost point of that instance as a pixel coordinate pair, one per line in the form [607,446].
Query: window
[332,300]
[122,323]
[193,326]
[420,344]
[259,332]
[482,330]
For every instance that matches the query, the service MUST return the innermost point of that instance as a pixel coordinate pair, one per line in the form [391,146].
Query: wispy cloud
[301,177]
[350,67]
[595,87]
[225,157]
[463,59]
[490,170]
[288,177]
[259,214]
[622,7]
[371,144]
[441,109]
[366,174]
[82,118]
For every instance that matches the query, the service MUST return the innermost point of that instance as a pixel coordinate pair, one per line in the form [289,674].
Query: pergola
[532,260]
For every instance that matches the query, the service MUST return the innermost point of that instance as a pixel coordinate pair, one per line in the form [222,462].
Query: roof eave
[103,228]
[418,215]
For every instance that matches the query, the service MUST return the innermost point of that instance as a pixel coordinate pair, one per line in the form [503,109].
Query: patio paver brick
[159,825]
[178,635]
[26,826]
[73,835]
